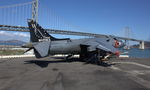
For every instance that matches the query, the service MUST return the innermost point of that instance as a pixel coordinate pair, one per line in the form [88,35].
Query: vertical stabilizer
[37,32]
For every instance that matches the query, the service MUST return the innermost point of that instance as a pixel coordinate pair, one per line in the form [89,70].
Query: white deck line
[124,56]
[16,56]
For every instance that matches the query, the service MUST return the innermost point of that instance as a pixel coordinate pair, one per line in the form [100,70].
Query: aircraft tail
[37,33]
[37,36]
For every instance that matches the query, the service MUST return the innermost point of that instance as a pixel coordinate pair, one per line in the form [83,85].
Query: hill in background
[12,42]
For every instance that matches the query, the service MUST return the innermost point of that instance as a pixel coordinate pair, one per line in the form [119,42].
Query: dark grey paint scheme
[45,45]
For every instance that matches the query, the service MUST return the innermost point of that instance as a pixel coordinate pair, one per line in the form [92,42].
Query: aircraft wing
[100,44]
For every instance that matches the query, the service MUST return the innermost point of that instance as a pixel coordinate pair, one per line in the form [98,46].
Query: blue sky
[95,16]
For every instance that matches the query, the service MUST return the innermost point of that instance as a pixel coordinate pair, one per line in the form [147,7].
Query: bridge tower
[35,6]
[141,45]
[127,35]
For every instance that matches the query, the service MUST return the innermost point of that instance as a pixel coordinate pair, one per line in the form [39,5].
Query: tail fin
[37,32]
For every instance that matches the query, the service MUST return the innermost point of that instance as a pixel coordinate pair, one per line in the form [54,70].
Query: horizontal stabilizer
[41,49]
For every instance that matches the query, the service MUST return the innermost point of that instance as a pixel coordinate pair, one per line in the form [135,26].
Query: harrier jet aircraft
[91,49]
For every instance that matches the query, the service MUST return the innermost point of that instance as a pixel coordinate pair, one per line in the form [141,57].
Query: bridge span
[65,32]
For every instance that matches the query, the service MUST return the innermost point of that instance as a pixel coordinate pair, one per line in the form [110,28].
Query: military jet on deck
[89,49]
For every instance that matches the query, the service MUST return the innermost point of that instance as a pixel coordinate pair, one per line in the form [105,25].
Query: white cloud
[5,35]
[21,34]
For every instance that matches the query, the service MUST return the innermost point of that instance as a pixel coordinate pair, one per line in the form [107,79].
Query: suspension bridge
[14,18]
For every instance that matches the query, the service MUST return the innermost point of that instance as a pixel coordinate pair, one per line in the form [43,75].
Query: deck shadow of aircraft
[45,63]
